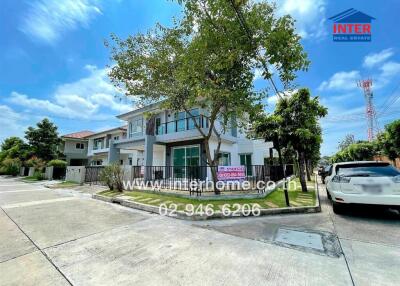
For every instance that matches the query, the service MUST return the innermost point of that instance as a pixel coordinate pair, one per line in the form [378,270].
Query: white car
[363,182]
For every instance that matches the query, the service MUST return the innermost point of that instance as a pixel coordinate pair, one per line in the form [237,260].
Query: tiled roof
[123,128]
[79,135]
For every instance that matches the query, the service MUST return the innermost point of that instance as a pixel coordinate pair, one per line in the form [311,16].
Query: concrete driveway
[58,237]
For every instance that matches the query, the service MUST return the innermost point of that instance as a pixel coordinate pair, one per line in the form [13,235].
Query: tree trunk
[302,171]
[212,165]
[285,190]
[308,167]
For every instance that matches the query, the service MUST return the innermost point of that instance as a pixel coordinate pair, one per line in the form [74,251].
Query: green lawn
[30,179]
[65,184]
[274,200]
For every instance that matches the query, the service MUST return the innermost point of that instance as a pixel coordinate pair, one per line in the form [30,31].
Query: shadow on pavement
[371,212]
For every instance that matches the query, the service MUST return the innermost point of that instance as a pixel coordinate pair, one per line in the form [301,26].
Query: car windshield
[367,170]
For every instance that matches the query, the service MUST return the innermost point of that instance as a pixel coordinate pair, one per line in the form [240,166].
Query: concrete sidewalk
[80,241]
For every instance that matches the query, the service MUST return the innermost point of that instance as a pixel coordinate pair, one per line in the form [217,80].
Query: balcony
[180,125]
[97,150]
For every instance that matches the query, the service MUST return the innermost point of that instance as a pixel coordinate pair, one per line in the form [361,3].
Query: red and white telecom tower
[370,110]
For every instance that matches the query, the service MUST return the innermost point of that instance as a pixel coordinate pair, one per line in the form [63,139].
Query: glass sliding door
[186,160]
[179,162]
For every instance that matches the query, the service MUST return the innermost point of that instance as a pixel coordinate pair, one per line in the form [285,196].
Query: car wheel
[329,195]
[338,208]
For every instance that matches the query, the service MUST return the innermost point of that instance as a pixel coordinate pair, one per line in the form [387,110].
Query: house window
[97,162]
[224,159]
[195,116]
[159,126]
[180,121]
[136,127]
[121,162]
[80,146]
[116,138]
[245,160]
[97,143]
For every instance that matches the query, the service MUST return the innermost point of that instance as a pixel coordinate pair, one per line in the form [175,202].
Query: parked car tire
[329,195]
[338,208]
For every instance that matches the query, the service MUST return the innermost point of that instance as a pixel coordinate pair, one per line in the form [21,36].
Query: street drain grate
[300,239]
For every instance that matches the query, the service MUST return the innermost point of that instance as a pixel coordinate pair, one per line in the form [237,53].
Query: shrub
[57,163]
[118,177]
[38,175]
[36,162]
[11,167]
[113,176]
[106,176]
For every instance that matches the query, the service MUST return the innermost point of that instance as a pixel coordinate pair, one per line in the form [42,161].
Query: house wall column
[113,153]
[148,154]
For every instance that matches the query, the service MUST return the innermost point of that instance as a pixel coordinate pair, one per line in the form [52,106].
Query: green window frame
[246,160]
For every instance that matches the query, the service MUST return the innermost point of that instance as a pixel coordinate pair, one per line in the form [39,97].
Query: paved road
[51,237]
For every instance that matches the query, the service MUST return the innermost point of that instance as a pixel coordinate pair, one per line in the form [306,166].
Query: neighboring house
[75,148]
[99,147]
[171,139]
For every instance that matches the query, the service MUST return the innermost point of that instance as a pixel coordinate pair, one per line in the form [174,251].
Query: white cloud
[272,100]
[47,20]
[87,98]
[341,81]
[258,74]
[309,16]
[372,60]
[387,72]
[11,123]
[390,69]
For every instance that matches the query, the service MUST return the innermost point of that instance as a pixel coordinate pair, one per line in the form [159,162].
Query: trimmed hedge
[57,163]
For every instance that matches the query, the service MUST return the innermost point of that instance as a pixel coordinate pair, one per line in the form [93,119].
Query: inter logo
[351,26]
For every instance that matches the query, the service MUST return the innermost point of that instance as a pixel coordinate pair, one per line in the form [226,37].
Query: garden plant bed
[170,205]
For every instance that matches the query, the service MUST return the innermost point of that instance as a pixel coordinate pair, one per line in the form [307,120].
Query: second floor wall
[168,122]
[75,146]
[102,141]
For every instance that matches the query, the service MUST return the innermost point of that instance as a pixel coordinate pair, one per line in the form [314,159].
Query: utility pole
[366,85]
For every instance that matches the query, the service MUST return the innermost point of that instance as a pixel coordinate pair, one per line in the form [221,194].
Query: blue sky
[53,62]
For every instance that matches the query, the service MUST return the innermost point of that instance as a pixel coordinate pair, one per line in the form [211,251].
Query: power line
[249,35]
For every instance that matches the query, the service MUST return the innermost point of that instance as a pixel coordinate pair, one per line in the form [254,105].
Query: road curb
[217,214]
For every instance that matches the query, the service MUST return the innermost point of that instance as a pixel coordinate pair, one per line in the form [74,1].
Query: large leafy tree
[298,127]
[346,142]
[44,139]
[389,140]
[207,59]
[14,148]
[269,128]
[312,149]
[360,151]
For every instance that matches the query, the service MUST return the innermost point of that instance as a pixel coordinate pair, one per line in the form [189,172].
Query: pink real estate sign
[229,173]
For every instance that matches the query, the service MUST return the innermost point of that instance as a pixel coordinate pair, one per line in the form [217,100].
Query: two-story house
[74,146]
[99,147]
[172,139]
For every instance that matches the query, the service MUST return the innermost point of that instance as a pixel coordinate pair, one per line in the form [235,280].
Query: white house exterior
[171,139]
[168,139]
[99,147]
[74,146]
